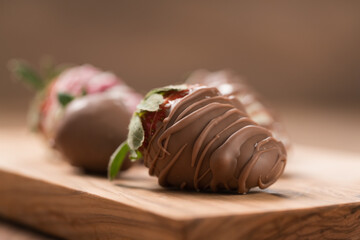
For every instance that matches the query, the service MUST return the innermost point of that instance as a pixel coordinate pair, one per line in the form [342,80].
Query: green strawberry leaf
[117,159]
[151,104]
[25,73]
[65,98]
[136,133]
[166,89]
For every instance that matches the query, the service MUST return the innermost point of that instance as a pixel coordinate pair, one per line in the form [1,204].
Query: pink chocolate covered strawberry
[80,111]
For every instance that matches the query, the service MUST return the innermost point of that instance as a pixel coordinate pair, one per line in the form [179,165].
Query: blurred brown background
[302,55]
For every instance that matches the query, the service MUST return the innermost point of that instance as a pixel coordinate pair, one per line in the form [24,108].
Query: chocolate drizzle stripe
[219,99]
[213,123]
[189,119]
[198,166]
[228,151]
[280,164]
[193,94]
[147,154]
[246,171]
[199,141]
[164,172]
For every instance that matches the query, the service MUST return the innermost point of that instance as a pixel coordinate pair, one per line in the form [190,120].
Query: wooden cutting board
[317,198]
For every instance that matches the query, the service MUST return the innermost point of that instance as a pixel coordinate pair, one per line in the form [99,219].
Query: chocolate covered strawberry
[77,109]
[193,137]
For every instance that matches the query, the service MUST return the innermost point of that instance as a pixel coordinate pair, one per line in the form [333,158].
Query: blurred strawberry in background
[82,111]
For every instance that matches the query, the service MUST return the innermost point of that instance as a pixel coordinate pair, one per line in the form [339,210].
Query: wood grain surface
[14,231]
[317,198]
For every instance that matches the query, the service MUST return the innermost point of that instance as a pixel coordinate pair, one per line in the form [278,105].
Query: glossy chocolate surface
[91,129]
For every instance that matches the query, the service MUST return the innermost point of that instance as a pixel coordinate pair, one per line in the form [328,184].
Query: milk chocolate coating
[206,142]
[91,130]
[230,84]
